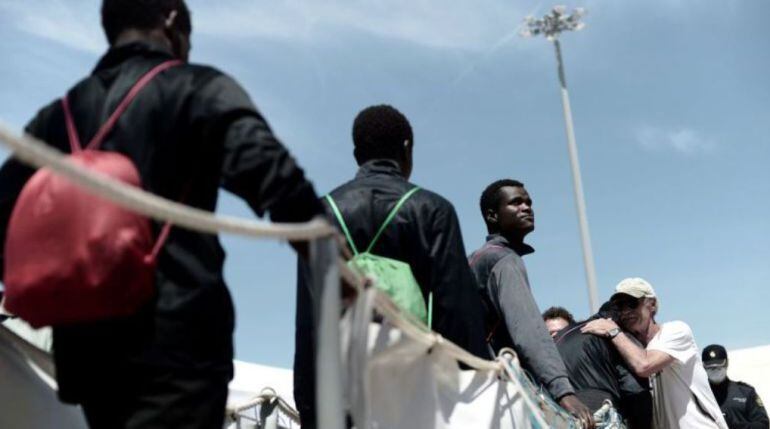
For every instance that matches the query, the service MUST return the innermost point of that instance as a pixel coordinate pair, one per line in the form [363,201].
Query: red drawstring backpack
[71,256]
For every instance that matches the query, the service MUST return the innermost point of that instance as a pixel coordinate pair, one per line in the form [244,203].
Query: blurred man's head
[556,319]
[163,20]
[507,209]
[636,305]
[382,132]
[714,359]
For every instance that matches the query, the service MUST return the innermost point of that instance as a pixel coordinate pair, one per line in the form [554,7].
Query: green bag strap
[341,221]
[430,310]
[390,217]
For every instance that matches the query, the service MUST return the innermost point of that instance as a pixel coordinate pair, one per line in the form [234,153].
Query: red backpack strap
[110,123]
[72,132]
[162,237]
[132,93]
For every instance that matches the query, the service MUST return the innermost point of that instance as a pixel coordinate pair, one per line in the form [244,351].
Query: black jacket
[195,127]
[741,406]
[598,372]
[426,234]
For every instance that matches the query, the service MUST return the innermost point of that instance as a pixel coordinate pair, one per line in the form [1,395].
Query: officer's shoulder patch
[759,402]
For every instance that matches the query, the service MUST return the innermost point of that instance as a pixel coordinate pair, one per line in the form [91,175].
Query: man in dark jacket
[511,314]
[739,402]
[192,128]
[425,233]
[599,373]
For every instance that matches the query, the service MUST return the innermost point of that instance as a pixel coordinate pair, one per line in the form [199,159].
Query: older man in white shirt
[681,393]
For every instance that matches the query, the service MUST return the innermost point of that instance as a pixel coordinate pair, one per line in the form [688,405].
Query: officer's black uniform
[740,405]
[739,402]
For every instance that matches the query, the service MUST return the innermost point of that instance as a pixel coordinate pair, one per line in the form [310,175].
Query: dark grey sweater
[512,316]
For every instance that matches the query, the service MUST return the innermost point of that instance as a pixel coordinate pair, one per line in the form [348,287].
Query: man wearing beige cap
[681,393]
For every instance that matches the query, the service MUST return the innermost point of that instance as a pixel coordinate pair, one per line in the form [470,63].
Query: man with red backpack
[189,130]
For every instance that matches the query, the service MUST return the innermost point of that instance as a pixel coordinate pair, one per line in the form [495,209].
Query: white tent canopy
[752,366]
[29,399]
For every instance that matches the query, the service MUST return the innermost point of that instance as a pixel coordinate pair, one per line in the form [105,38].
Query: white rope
[421,334]
[39,154]
[510,357]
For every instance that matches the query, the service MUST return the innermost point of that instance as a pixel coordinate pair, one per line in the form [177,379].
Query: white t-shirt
[681,392]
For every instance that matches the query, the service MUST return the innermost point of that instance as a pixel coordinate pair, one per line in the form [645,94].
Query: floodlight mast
[551,26]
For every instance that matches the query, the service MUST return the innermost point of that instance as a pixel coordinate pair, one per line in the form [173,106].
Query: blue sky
[670,100]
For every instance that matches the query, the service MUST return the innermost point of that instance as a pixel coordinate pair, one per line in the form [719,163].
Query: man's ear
[170,19]
[407,149]
[491,217]
[653,305]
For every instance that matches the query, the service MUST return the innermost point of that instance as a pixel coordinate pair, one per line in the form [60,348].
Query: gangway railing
[327,269]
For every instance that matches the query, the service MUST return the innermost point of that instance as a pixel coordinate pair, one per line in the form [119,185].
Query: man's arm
[531,340]
[642,362]
[255,165]
[457,308]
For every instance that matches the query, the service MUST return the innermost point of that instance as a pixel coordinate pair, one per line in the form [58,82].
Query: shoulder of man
[427,202]
[677,328]
[216,92]
[490,255]
[203,76]
[744,387]
[750,392]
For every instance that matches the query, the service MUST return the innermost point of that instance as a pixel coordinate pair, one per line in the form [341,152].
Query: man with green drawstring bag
[412,247]
[393,277]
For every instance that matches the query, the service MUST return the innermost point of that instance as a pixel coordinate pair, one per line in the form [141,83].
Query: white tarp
[394,381]
[752,366]
[27,393]
[401,385]
[28,390]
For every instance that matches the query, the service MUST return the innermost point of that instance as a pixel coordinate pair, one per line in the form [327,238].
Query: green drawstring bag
[393,277]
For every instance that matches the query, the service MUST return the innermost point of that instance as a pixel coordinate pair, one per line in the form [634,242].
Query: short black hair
[490,198]
[606,311]
[120,15]
[558,312]
[380,132]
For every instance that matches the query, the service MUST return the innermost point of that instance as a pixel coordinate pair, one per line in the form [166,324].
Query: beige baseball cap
[636,287]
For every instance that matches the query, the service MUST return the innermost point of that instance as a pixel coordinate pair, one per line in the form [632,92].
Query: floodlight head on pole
[552,24]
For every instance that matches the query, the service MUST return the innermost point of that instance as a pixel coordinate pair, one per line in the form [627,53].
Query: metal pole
[588,257]
[325,273]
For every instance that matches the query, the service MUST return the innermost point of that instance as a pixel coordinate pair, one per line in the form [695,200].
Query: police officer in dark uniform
[739,402]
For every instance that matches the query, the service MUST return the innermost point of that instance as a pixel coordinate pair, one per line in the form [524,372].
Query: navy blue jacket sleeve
[255,165]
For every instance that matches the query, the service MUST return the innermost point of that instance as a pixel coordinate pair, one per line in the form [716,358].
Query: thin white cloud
[74,24]
[451,24]
[681,140]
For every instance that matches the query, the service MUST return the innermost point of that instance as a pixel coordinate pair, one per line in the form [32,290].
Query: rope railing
[39,154]
[421,334]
